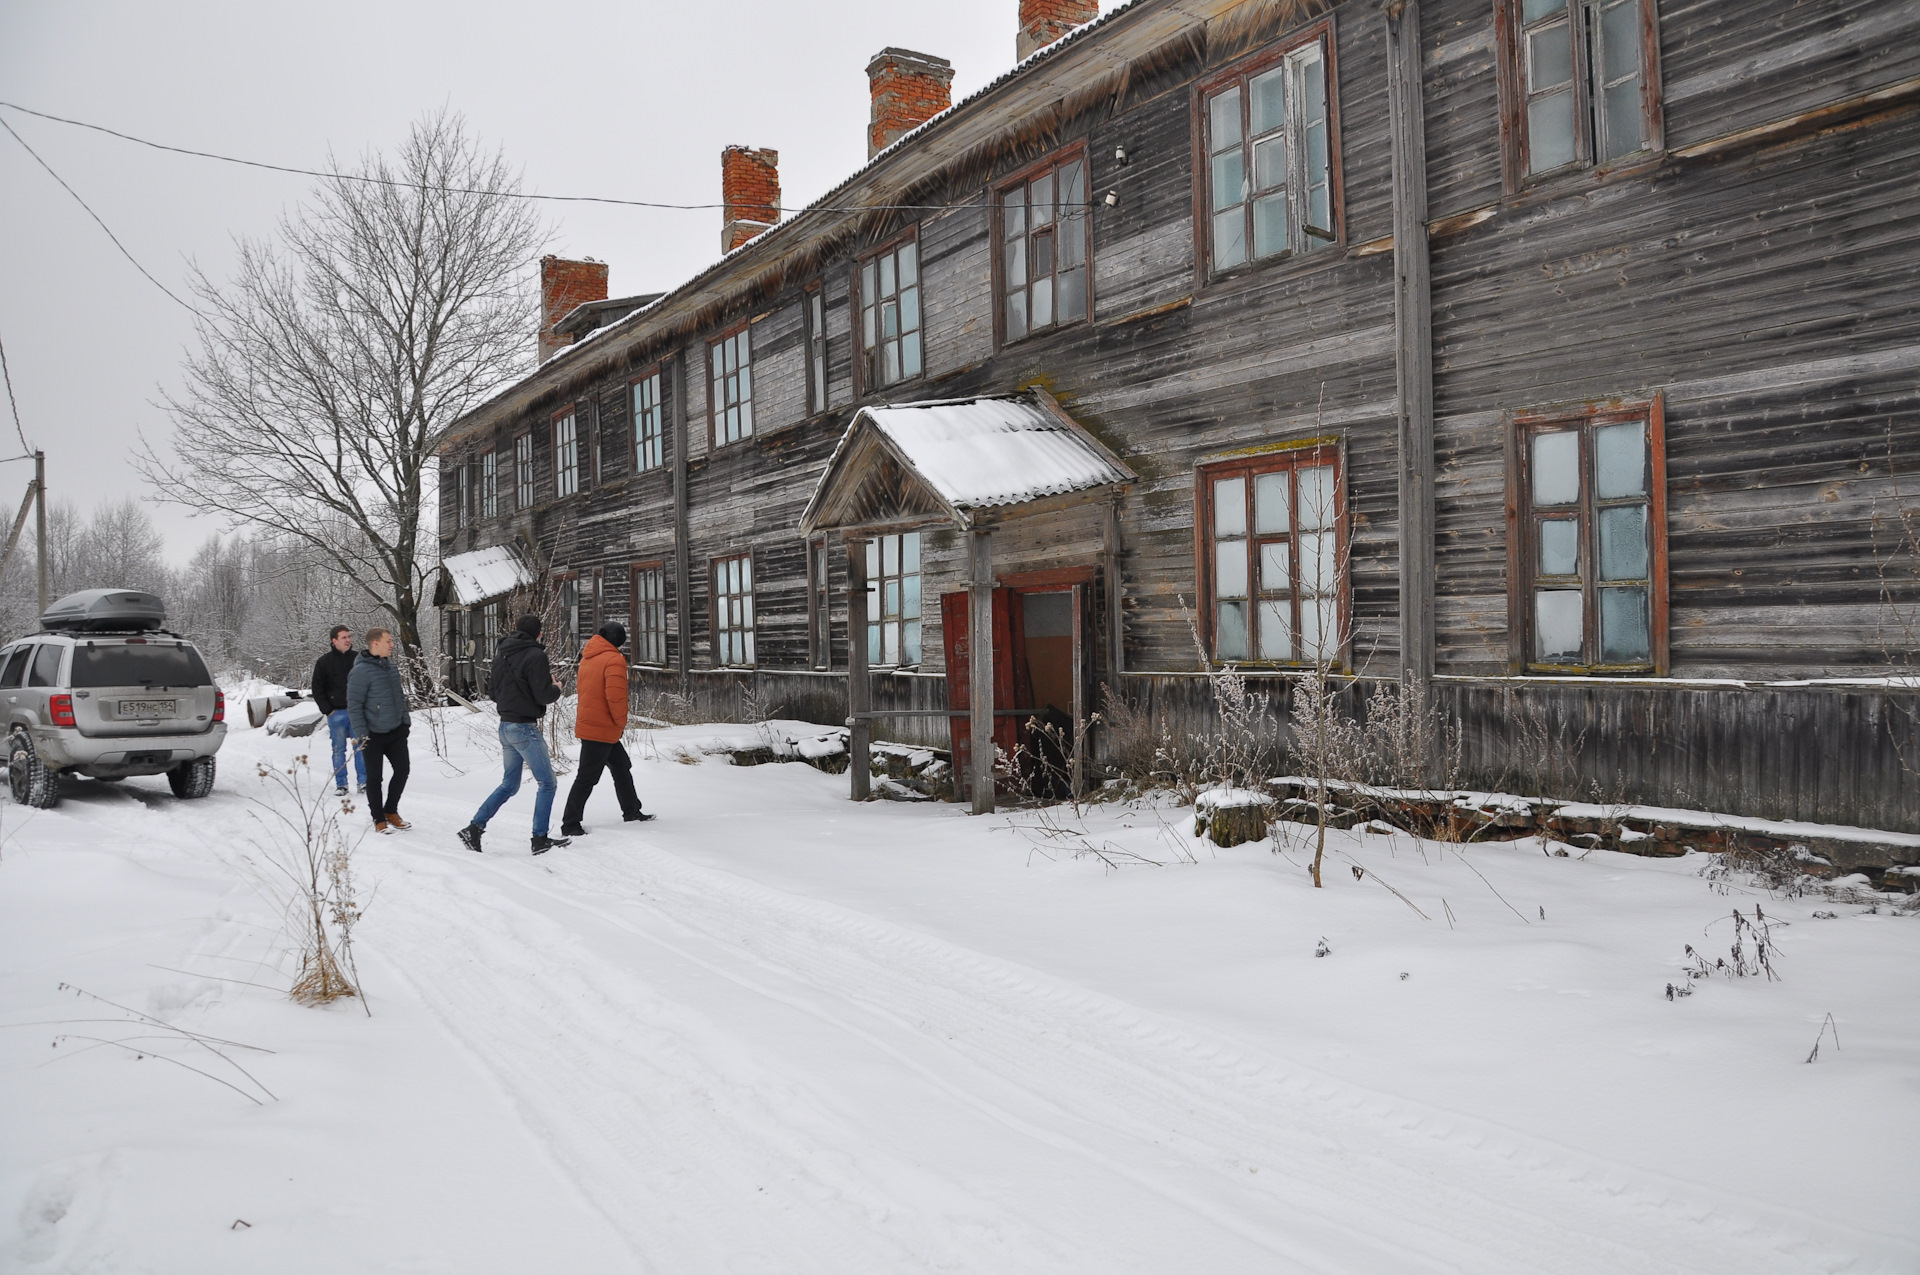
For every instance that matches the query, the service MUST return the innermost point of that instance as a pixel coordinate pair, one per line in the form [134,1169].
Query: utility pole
[40,520]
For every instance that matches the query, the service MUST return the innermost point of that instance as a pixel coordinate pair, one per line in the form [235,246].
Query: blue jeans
[520,741]
[341,729]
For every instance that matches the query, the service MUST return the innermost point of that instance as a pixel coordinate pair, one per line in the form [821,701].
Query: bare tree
[330,369]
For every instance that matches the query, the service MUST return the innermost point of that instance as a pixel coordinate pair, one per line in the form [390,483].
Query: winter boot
[572,830]
[543,844]
[470,837]
[396,822]
[639,816]
[380,825]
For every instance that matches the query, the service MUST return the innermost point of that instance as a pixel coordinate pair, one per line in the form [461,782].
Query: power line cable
[7,372]
[455,190]
[96,216]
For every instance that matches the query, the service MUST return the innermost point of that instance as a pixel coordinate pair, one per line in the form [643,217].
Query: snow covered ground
[778,1032]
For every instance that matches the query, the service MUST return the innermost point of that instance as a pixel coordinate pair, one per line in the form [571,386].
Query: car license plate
[146,708]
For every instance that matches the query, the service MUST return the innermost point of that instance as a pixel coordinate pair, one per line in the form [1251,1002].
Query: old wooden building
[1563,352]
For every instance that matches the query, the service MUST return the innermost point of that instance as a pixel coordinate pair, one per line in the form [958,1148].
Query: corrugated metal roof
[985,452]
[486,573]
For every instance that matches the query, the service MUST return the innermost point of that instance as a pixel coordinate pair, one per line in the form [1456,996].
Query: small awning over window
[963,462]
[485,573]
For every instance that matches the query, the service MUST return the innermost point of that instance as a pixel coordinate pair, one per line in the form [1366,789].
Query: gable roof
[958,461]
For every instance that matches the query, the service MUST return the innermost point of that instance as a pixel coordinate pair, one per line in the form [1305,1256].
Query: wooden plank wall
[1766,292]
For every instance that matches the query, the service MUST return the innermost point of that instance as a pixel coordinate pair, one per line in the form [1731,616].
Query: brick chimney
[563,285]
[750,189]
[1044,21]
[908,90]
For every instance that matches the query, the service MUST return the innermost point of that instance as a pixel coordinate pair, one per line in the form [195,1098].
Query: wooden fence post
[980,678]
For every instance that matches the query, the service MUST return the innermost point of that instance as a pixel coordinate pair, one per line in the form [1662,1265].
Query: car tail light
[219,706]
[61,709]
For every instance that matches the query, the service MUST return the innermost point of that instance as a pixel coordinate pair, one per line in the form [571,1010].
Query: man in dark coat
[377,709]
[522,687]
[330,673]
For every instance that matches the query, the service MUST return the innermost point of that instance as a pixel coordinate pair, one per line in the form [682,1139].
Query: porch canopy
[964,463]
[471,578]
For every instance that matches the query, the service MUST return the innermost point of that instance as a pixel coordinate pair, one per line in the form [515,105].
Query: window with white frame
[566,457]
[1273,574]
[730,407]
[733,611]
[1043,230]
[489,484]
[816,351]
[893,599]
[1585,67]
[462,495]
[819,606]
[650,613]
[523,471]
[648,427]
[1270,173]
[890,314]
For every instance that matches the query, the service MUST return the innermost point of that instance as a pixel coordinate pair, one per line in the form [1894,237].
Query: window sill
[1562,182]
[1289,263]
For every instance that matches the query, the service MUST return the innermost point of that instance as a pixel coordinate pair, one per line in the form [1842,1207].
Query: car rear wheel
[191,779]
[28,778]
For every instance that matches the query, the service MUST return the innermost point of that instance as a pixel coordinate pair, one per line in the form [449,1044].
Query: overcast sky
[632,100]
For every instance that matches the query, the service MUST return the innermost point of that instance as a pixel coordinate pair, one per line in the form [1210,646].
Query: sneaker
[361,789]
[639,816]
[470,837]
[543,844]
[341,791]
[572,830]
[380,825]
[395,821]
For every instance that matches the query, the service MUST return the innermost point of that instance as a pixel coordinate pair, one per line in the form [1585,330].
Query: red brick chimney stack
[908,90]
[563,285]
[750,189]
[1044,21]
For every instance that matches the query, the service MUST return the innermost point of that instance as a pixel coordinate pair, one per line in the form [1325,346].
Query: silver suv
[103,691]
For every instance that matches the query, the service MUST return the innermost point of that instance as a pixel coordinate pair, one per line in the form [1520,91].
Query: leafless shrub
[1410,745]
[1751,955]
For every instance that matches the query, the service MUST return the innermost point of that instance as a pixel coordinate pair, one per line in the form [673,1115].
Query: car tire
[28,779]
[191,779]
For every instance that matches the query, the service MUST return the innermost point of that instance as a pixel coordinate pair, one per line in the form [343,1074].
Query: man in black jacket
[330,673]
[522,687]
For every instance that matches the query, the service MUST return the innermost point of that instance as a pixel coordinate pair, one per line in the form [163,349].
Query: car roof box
[105,611]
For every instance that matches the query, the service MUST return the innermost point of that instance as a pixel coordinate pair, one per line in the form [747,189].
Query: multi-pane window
[890,314]
[523,471]
[732,402]
[733,610]
[816,352]
[489,484]
[566,457]
[567,595]
[462,496]
[893,599]
[650,614]
[1043,232]
[819,606]
[1273,575]
[1584,71]
[1590,536]
[648,428]
[1269,160]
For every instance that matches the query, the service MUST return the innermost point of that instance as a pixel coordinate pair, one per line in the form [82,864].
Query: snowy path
[691,1068]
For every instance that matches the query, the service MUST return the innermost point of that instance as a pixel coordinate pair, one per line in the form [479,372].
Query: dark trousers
[594,758]
[378,749]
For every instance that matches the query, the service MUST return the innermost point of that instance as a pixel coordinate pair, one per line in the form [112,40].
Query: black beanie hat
[614,632]
[529,625]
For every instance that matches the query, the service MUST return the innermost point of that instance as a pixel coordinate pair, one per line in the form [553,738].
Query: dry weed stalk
[304,859]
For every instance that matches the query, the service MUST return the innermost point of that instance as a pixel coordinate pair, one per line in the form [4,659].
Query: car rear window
[46,665]
[16,671]
[139,666]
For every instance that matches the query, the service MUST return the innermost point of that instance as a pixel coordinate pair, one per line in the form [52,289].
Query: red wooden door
[1009,669]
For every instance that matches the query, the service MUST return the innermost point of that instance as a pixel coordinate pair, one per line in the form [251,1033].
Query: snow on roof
[983,452]
[486,573]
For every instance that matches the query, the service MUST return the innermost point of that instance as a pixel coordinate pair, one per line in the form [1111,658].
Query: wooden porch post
[980,676]
[1079,695]
[859,685]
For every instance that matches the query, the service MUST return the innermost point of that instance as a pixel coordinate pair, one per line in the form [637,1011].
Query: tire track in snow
[1386,1169]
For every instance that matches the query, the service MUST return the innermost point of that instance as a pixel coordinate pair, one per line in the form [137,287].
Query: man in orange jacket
[599,723]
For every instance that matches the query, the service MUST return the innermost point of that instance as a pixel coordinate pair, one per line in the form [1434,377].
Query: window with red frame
[1272,545]
[1044,250]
